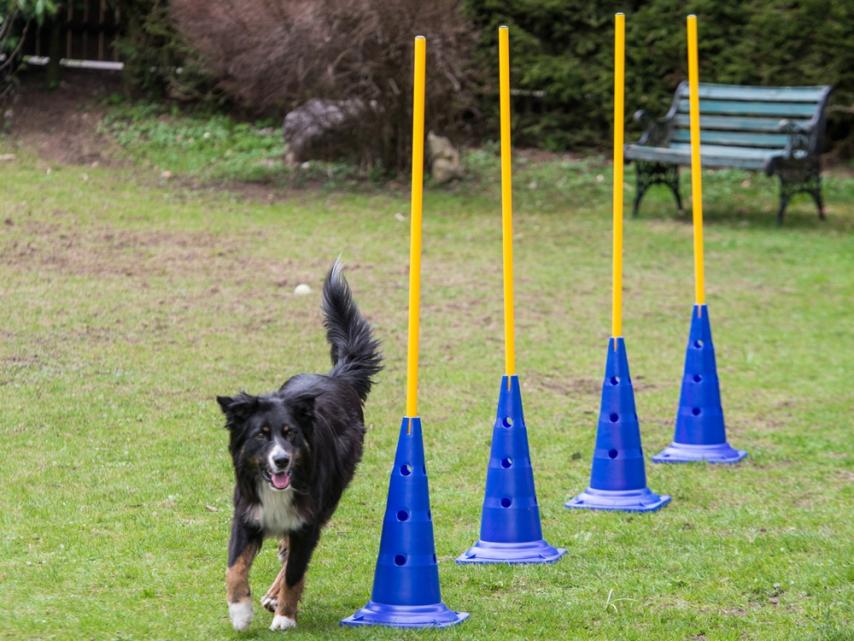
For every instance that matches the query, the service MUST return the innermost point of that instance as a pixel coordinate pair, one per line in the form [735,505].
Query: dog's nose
[281,461]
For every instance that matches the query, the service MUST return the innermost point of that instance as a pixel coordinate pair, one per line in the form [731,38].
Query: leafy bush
[565,49]
[16,18]
[158,62]
[273,55]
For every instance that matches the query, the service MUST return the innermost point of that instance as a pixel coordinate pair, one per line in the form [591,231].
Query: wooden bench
[778,130]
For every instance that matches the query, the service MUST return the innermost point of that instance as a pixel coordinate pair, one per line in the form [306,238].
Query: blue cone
[618,477]
[510,529]
[700,431]
[406,581]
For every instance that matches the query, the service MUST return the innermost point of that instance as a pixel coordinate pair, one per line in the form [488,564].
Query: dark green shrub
[564,48]
[158,62]
[16,18]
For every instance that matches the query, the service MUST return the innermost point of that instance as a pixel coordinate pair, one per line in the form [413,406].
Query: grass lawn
[128,302]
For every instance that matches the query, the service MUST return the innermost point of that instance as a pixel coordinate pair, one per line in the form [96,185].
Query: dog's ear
[302,408]
[237,408]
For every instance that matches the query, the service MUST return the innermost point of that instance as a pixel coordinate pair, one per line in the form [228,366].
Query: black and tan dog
[294,452]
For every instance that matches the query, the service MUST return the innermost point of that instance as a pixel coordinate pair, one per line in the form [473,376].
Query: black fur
[315,422]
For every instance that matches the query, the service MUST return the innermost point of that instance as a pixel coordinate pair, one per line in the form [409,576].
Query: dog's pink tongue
[280,480]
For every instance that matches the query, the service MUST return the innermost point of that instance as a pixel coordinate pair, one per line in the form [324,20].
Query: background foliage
[271,56]
[564,48]
[16,17]
[267,56]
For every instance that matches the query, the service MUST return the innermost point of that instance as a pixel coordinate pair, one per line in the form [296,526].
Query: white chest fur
[276,514]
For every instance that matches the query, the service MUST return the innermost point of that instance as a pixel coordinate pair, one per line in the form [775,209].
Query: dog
[294,452]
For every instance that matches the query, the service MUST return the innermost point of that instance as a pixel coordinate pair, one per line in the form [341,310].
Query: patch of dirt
[61,125]
[109,251]
[563,386]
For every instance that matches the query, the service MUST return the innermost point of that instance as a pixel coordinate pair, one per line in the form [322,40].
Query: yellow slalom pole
[415,226]
[696,165]
[617,203]
[506,199]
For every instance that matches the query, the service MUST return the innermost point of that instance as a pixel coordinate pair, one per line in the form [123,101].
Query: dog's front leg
[242,548]
[270,599]
[301,546]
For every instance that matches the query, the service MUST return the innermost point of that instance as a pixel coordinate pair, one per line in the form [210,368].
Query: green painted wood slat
[742,108]
[683,157]
[733,123]
[811,94]
[735,138]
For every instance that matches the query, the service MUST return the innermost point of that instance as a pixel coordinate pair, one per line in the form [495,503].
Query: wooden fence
[83,34]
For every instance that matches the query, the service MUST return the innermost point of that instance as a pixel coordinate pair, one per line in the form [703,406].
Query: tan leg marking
[237,576]
[270,599]
[237,589]
[289,599]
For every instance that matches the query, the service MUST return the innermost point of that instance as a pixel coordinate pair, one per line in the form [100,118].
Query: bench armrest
[657,130]
[800,137]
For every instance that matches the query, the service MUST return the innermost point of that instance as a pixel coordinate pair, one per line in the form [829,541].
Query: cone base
[436,615]
[644,500]
[526,552]
[687,453]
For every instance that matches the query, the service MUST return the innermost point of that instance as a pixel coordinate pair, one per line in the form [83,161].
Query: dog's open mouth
[279,480]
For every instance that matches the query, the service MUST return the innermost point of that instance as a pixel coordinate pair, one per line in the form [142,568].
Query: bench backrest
[750,116]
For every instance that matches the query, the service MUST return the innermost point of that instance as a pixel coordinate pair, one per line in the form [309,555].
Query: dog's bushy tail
[355,352]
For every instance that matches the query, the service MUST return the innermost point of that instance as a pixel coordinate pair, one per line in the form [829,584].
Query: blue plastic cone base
[532,552]
[406,581]
[510,530]
[643,500]
[618,475]
[700,433]
[684,453]
[437,615]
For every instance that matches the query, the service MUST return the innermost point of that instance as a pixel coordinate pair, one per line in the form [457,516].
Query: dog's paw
[240,614]
[281,622]
[269,602]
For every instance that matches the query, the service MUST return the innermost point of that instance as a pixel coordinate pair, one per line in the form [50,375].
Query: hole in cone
[402,515]
[507,422]
[405,470]
[612,453]
[506,462]
[506,502]
[614,417]
[399,560]
[615,380]
[697,378]
[695,411]
[698,344]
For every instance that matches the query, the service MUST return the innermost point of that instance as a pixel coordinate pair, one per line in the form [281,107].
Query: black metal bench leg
[648,174]
[816,196]
[798,177]
[641,184]
[673,183]
[784,202]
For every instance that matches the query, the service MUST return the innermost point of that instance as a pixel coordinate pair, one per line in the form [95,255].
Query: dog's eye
[265,430]
[286,432]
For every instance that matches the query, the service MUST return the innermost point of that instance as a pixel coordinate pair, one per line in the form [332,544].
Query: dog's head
[270,437]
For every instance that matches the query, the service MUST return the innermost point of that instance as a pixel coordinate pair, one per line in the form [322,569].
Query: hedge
[564,49]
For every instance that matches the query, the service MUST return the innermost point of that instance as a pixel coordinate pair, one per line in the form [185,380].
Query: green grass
[200,144]
[206,145]
[127,305]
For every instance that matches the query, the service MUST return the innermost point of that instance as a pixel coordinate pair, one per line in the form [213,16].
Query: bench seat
[712,155]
